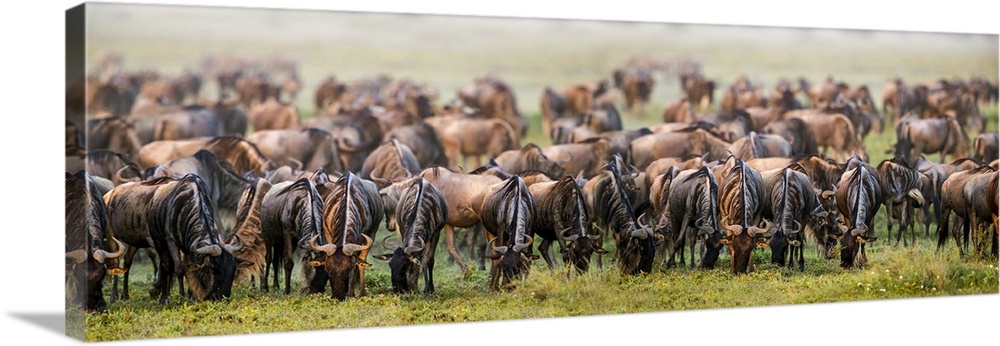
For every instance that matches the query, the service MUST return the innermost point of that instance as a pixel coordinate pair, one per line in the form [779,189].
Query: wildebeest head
[742,195]
[857,196]
[508,211]
[352,208]
[86,246]
[420,213]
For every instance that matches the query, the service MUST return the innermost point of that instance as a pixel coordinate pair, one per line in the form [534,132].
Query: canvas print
[241,170]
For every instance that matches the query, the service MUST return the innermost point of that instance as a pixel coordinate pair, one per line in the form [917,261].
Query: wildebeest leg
[449,237]
[429,275]
[477,247]
[127,265]
[888,222]
[543,248]
[494,267]
[289,265]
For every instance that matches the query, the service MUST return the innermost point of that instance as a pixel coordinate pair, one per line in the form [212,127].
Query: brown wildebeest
[272,114]
[679,111]
[464,136]
[985,147]
[587,156]
[700,90]
[619,141]
[660,166]
[963,194]
[612,210]
[742,199]
[574,100]
[562,215]
[88,244]
[742,94]
[359,132]
[495,98]
[309,149]
[115,134]
[329,94]
[927,136]
[833,132]
[420,211]
[242,155]
[636,84]
[530,157]
[646,149]
[465,194]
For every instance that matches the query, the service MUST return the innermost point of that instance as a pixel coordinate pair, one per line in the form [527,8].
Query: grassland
[446,52]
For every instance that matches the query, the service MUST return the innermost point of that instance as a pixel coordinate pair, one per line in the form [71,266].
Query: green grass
[531,56]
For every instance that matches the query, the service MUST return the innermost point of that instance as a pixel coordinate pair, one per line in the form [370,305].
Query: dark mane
[316,133]
[592,140]
[157,181]
[982,169]
[700,173]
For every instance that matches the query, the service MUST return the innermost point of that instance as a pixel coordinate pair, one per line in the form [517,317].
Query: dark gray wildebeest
[612,213]
[692,214]
[420,212]
[985,147]
[424,141]
[529,158]
[115,134]
[926,136]
[901,186]
[352,211]
[797,133]
[390,162]
[859,198]
[291,211]
[88,244]
[793,205]
[175,218]
[756,145]
[507,215]
[743,198]
[562,216]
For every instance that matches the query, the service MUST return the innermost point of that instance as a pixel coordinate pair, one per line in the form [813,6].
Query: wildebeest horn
[562,234]
[409,250]
[760,230]
[827,194]
[734,229]
[500,250]
[350,249]
[798,226]
[298,164]
[858,231]
[78,256]
[236,246]
[101,255]
[211,250]
[329,249]
[521,246]
[384,245]
[122,179]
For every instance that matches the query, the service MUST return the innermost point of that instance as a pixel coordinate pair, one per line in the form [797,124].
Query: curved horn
[236,246]
[734,229]
[211,250]
[409,250]
[797,226]
[519,247]
[384,245]
[329,249]
[827,194]
[498,249]
[350,249]
[858,231]
[100,255]
[756,230]
[562,234]
[121,179]
[78,256]
[298,164]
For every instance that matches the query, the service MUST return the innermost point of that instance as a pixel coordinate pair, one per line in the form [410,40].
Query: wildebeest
[636,84]
[698,89]
[529,158]
[199,121]
[423,140]
[351,211]
[859,198]
[310,148]
[110,165]
[693,216]
[742,198]
[679,111]
[389,163]
[757,145]
[495,98]
[901,186]
[328,93]
[420,212]
[174,217]
[562,215]
[88,244]
[612,213]
[985,147]
[954,199]
[224,185]
[682,143]
[242,155]
[832,132]
[508,212]
[464,136]
[290,212]
[358,132]
[273,114]
[115,134]
[586,156]
[792,206]
[465,194]
[797,133]
[926,136]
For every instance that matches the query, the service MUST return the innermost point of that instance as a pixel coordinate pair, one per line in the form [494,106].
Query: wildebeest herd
[243,187]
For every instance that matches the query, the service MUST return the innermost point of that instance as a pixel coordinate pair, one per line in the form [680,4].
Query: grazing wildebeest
[88,244]
[901,187]
[612,211]
[465,194]
[508,212]
[174,217]
[693,215]
[792,205]
[419,211]
[562,216]
[859,198]
[352,210]
[742,198]
[291,211]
